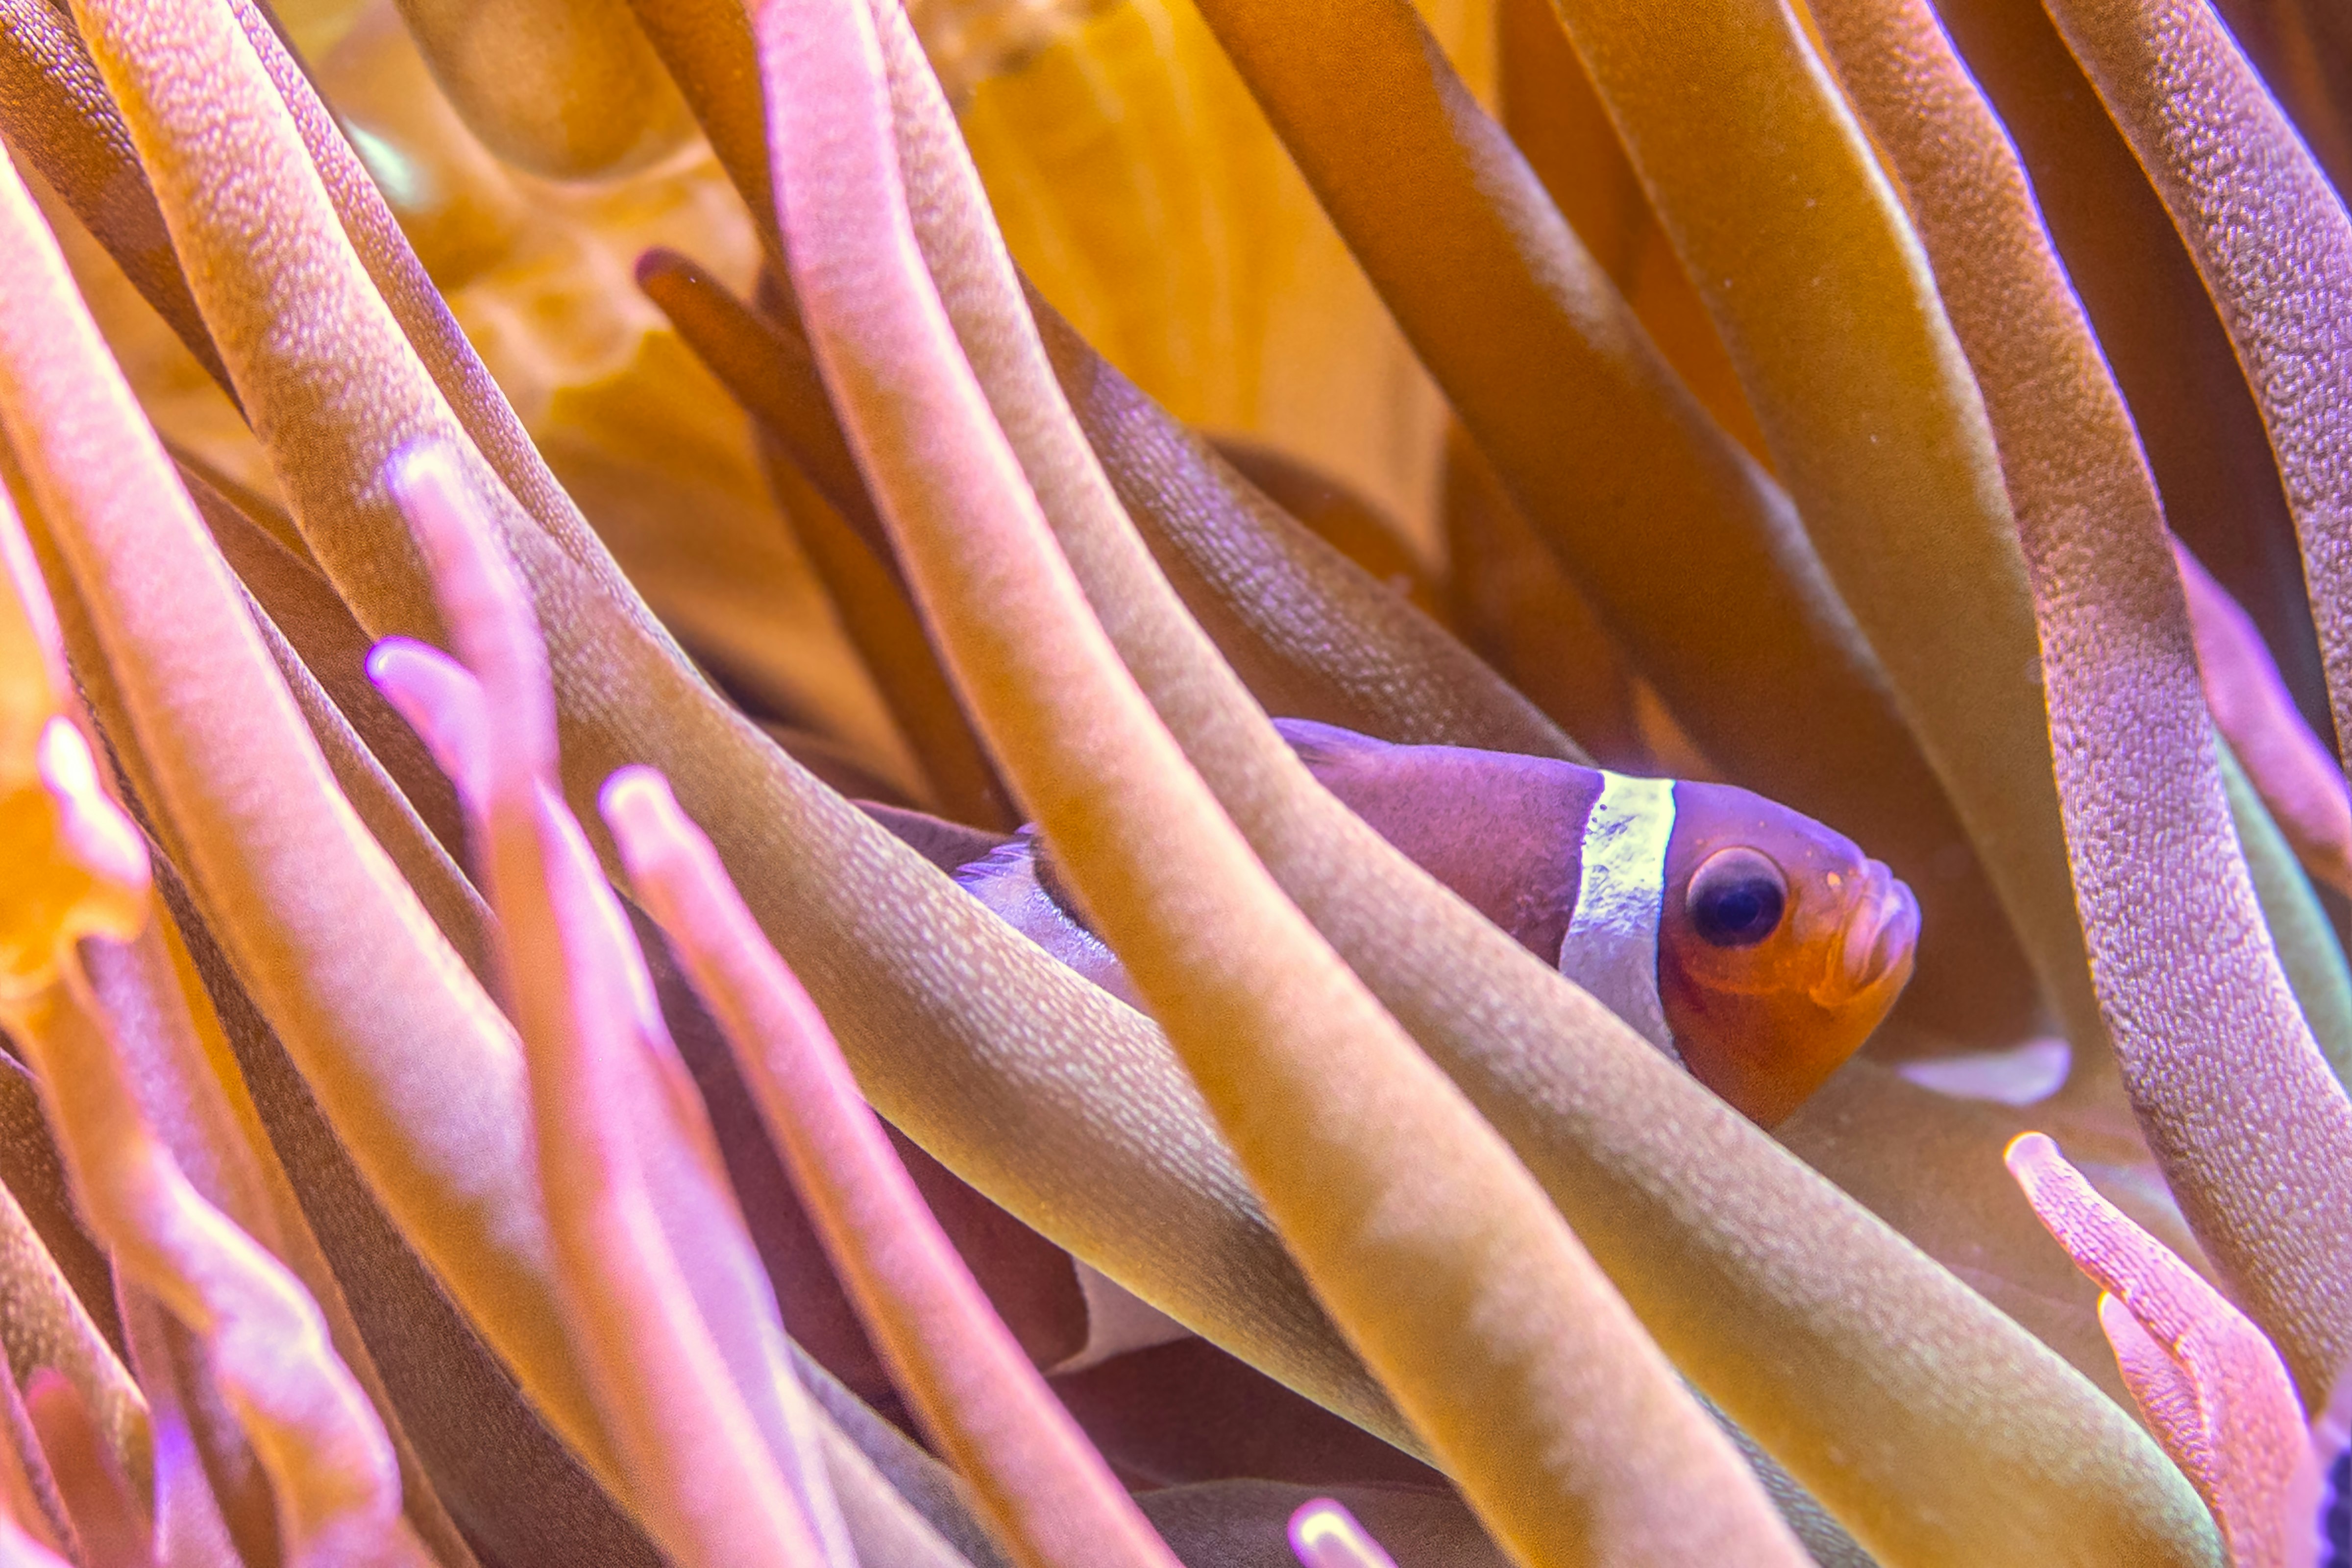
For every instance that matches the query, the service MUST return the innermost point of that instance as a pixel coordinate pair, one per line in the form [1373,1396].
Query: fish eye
[1736,898]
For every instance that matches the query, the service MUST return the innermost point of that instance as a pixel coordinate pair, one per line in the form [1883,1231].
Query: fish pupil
[1737,905]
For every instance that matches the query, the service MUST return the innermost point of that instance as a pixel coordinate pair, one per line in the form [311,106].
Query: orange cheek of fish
[1762,1040]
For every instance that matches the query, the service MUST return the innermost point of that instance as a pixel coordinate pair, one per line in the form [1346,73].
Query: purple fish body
[1505,831]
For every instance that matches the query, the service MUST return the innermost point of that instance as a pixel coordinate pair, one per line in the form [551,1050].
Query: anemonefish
[1750,944]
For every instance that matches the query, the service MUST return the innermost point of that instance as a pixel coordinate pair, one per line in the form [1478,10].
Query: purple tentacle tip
[1324,1534]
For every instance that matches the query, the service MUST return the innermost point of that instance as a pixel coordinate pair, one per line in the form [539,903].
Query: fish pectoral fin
[945,844]
[1319,745]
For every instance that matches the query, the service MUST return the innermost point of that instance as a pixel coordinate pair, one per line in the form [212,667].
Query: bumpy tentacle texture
[459,723]
[1053,1500]
[1615,462]
[1052,1098]
[704,1479]
[2307,945]
[329,1462]
[1329,1105]
[1927,1420]
[61,123]
[451,1170]
[1648,1171]
[1312,634]
[281,864]
[1758,172]
[2254,1130]
[863,923]
[2230,168]
[2156,325]
[2213,1388]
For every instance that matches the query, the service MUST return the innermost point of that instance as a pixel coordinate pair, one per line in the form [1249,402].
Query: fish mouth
[1876,940]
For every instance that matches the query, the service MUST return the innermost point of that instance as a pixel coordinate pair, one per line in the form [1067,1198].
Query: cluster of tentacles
[552,546]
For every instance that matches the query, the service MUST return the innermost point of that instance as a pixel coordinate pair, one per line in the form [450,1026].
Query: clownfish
[1749,943]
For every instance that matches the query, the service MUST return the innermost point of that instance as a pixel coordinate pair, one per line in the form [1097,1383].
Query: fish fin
[947,845]
[1049,877]
[1320,744]
[1010,860]
[1023,857]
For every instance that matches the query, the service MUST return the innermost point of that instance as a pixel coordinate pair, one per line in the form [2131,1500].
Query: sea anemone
[927,782]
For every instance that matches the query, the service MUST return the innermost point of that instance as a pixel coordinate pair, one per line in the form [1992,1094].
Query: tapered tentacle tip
[423,477]
[637,804]
[2107,1245]
[649,827]
[1324,1534]
[440,702]
[96,833]
[658,264]
[76,866]
[669,859]
[412,672]
[2211,1385]
[2030,1158]
[492,628]
[416,466]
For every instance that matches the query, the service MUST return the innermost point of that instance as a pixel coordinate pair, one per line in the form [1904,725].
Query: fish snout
[1876,939]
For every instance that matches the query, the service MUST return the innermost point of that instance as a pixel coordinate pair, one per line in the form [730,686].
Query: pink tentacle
[441,702]
[1324,1534]
[1049,1494]
[2293,771]
[2213,1388]
[705,1480]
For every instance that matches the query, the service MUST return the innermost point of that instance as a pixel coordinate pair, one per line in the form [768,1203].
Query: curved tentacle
[1050,1495]
[61,121]
[1758,172]
[703,1476]
[1264,1014]
[1616,465]
[2213,1388]
[569,89]
[1582,1101]
[2227,164]
[1057,1101]
[837,528]
[2254,1130]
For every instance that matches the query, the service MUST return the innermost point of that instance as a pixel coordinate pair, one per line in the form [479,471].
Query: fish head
[1780,946]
